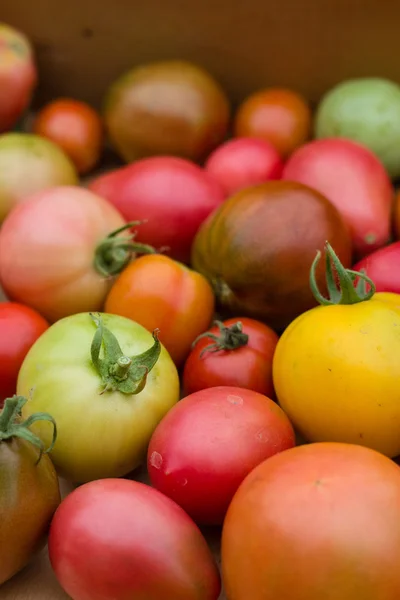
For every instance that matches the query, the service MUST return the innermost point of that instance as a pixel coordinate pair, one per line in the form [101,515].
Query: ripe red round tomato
[75,127]
[315,522]
[354,180]
[237,352]
[243,162]
[207,444]
[121,539]
[171,195]
[383,267]
[20,327]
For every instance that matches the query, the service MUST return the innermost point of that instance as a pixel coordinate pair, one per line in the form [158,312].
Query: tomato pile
[218,304]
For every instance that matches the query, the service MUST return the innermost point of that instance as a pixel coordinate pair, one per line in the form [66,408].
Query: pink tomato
[171,195]
[354,180]
[243,162]
[208,443]
[383,267]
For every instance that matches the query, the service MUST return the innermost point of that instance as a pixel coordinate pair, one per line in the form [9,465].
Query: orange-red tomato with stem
[160,293]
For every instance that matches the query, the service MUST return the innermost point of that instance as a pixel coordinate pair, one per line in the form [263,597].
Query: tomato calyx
[340,281]
[118,372]
[114,253]
[229,338]
[11,425]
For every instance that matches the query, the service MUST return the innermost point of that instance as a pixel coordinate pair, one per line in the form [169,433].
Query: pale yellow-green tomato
[83,372]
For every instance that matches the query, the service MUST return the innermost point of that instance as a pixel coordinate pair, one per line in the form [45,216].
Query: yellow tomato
[336,373]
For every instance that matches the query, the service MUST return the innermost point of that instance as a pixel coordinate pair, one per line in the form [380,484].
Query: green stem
[340,281]
[114,253]
[118,372]
[12,426]
[229,338]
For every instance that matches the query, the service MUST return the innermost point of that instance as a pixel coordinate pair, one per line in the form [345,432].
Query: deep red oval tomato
[207,444]
[171,195]
[315,522]
[75,127]
[20,327]
[243,162]
[121,539]
[383,267]
[237,352]
[354,180]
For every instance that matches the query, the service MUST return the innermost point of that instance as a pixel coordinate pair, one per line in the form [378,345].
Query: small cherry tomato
[20,327]
[209,442]
[236,352]
[75,127]
[160,293]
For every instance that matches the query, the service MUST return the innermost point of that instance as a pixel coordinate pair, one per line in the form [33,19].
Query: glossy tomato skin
[242,162]
[315,518]
[160,293]
[258,247]
[279,116]
[47,247]
[248,366]
[20,327]
[354,180]
[336,375]
[75,127]
[122,539]
[201,466]
[18,75]
[383,267]
[170,195]
[29,496]
[166,108]
[110,430]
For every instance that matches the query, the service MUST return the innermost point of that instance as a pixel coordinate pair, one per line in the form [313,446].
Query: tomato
[257,248]
[166,108]
[122,539]
[160,293]
[30,164]
[59,253]
[171,196]
[75,127]
[396,214]
[383,267]
[107,407]
[354,180]
[29,491]
[366,110]
[279,116]
[243,162]
[20,327]
[236,352]
[315,522]
[207,444]
[18,75]
[335,368]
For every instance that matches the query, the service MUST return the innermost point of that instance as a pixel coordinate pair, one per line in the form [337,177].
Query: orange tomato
[279,116]
[160,293]
[75,127]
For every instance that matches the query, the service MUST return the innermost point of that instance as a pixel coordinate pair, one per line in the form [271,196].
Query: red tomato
[237,352]
[316,522]
[207,444]
[75,127]
[20,327]
[383,267]
[56,253]
[172,195]
[354,180]
[121,539]
[18,75]
[243,162]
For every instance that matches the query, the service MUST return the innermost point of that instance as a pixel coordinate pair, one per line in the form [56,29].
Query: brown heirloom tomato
[258,247]
[160,293]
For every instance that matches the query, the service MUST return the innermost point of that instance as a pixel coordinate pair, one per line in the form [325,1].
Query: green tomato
[366,111]
[107,383]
